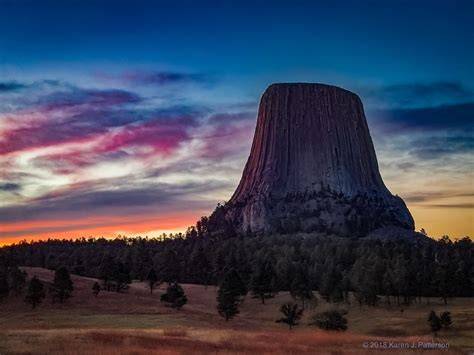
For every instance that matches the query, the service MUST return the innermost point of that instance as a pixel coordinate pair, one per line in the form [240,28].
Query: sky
[136,117]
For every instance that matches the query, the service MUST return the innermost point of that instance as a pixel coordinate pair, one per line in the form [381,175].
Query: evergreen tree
[35,292]
[175,296]
[330,287]
[345,285]
[202,269]
[218,265]
[107,267]
[96,289]
[362,278]
[4,288]
[330,320]
[121,276]
[443,281]
[445,319]
[262,282]
[301,287]
[152,280]
[229,295]
[227,303]
[140,260]
[291,314]
[51,263]
[170,269]
[434,322]
[78,268]
[286,269]
[400,278]
[16,280]
[62,286]
[232,283]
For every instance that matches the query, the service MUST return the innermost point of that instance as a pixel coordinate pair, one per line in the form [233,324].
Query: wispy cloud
[452,205]
[157,78]
[438,147]
[80,202]
[11,86]
[409,95]
[82,115]
[427,119]
[422,197]
[163,77]
[9,186]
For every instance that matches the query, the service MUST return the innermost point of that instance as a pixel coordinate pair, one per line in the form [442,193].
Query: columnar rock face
[312,168]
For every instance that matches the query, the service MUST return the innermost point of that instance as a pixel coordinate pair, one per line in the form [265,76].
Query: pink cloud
[74,115]
[163,136]
[229,135]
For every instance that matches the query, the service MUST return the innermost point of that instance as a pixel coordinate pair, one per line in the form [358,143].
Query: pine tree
[107,267]
[78,267]
[16,280]
[445,319]
[362,279]
[442,281]
[170,269]
[286,270]
[201,267]
[291,314]
[96,289]
[229,295]
[121,276]
[233,283]
[227,303]
[152,280]
[35,292]
[62,286]
[175,296]
[4,288]
[301,287]
[262,282]
[434,322]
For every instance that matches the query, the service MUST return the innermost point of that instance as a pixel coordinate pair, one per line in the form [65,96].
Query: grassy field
[136,322]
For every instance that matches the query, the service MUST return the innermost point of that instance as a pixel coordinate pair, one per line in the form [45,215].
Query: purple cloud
[159,78]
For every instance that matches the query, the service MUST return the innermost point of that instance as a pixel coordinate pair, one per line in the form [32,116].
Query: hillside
[137,322]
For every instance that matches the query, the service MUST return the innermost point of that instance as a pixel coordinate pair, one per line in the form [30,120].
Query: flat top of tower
[303,85]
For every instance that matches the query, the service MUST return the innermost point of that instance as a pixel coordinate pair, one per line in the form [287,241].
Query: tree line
[375,271]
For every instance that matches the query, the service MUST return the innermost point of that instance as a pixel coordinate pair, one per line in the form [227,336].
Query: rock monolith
[312,168]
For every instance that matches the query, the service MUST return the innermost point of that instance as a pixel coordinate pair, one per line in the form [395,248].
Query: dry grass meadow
[137,323]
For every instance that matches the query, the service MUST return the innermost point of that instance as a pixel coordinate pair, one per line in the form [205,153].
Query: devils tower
[312,168]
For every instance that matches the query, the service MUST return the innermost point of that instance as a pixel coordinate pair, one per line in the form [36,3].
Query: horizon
[141,123]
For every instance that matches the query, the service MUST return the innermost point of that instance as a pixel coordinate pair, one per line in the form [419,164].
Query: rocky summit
[312,168]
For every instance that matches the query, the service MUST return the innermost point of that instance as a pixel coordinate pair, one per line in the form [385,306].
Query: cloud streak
[445,117]
[155,78]
[9,186]
[11,86]
[411,95]
[163,77]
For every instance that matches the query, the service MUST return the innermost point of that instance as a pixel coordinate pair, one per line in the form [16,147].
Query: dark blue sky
[153,104]
[381,41]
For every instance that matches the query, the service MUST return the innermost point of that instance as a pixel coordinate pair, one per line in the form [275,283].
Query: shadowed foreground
[136,322]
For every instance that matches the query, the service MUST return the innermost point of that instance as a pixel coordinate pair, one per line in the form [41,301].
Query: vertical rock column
[312,167]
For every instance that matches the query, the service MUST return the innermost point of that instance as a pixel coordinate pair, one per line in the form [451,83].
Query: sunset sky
[136,117]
